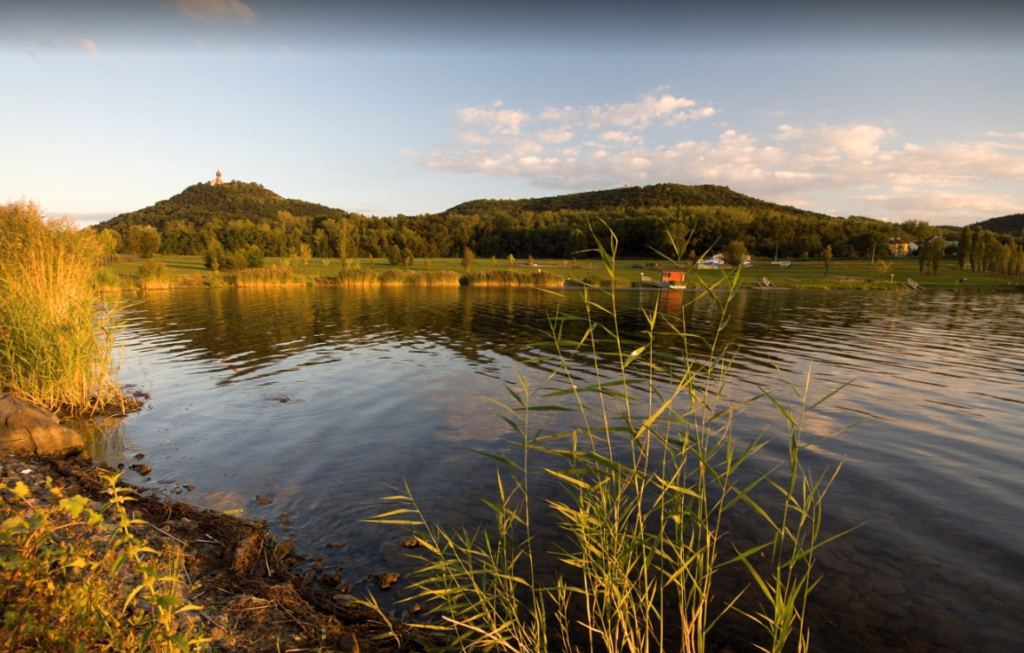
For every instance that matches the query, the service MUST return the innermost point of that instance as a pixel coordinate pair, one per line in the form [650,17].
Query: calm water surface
[387,386]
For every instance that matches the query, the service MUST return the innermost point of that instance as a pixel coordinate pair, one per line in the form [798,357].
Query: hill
[238,216]
[1008,224]
[634,197]
[204,203]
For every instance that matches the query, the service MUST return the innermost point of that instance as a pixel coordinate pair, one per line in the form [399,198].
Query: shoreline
[255,593]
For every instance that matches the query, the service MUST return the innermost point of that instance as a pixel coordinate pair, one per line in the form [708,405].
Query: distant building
[673,276]
[898,248]
[218,181]
[713,263]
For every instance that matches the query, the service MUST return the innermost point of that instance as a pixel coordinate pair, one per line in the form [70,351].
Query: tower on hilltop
[218,181]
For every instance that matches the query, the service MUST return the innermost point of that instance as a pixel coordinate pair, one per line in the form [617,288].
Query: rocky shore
[255,593]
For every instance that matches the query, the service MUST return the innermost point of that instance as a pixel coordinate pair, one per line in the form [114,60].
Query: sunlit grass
[512,277]
[56,338]
[267,277]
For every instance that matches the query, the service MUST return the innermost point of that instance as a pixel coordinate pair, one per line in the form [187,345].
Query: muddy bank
[256,593]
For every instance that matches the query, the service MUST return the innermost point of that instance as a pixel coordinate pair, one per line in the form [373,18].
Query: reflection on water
[385,385]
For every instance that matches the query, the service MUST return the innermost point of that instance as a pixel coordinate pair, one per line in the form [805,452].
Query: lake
[388,385]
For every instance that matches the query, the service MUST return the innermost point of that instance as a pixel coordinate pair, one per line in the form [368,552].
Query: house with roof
[899,248]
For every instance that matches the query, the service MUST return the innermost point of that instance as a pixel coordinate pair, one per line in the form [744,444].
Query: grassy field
[844,273]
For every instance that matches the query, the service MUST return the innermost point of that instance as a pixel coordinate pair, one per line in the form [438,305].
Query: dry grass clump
[433,278]
[393,277]
[513,278]
[153,275]
[268,277]
[55,350]
[357,277]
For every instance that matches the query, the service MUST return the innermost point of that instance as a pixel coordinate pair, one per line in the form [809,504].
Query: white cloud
[212,11]
[621,137]
[858,165]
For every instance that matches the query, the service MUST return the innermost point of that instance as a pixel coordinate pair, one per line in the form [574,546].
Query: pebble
[264,501]
[384,580]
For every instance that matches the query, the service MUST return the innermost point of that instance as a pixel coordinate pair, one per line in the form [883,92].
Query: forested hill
[239,216]
[204,203]
[1008,224]
[632,197]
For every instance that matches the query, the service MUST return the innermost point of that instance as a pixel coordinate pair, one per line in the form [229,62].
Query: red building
[673,276]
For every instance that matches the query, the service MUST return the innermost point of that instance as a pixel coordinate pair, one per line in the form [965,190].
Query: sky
[893,110]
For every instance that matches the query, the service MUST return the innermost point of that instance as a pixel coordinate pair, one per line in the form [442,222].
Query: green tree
[963,250]
[395,254]
[736,252]
[214,254]
[468,259]
[938,244]
[305,253]
[110,241]
[144,241]
[253,256]
[826,256]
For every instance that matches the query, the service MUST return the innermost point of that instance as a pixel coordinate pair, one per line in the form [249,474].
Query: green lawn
[844,273]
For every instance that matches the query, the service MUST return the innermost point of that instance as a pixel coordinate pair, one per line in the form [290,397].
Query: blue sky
[893,110]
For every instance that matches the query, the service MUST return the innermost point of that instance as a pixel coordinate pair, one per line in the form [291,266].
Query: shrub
[153,275]
[55,351]
[71,581]
[253,256]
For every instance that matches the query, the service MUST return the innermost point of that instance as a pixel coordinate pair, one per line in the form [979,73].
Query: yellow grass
[54,349]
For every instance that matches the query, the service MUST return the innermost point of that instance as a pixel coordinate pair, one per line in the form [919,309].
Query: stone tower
[218,181]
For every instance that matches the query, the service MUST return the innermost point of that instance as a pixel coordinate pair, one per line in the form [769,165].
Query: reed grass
[397,277]
[433,278]
[268,278]
[648,473]
[500,277]
[55,350]
[393,277]
[357,277]
[598,281]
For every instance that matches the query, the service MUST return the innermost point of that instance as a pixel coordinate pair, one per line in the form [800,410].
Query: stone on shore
[28,430]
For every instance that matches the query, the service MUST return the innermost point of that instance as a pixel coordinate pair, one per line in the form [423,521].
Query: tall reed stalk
[55,350]
[650,471]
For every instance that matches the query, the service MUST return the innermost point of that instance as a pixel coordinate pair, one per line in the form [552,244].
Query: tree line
[236,220]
